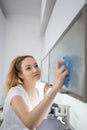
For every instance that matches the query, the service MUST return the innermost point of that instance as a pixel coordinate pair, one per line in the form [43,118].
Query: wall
[2,44]
[62,15]
[22,38]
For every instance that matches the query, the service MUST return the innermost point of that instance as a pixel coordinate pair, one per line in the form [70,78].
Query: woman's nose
[34,69]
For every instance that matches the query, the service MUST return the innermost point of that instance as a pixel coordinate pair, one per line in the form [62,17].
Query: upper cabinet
[73,43]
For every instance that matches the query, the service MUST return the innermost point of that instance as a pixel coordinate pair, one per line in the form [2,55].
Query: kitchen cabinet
[73,43]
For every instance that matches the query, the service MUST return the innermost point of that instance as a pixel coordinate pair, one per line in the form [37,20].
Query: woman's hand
[60,74]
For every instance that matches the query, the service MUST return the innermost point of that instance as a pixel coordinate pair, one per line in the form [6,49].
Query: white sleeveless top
[11,120]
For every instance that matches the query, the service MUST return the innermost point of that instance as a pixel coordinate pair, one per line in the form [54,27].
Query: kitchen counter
[1,116]
[51,124]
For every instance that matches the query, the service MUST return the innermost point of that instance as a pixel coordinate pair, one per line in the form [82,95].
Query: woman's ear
[20,75]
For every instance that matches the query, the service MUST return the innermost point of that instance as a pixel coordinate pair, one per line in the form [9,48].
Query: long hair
[12,77]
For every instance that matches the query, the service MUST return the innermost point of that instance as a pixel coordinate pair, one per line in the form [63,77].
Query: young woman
[24,106]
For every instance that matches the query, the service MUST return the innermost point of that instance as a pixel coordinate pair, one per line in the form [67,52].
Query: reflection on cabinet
[73,43]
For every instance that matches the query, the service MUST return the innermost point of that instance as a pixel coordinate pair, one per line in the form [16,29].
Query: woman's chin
[37,77]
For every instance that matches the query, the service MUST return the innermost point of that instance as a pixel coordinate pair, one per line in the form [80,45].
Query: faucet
[63,115]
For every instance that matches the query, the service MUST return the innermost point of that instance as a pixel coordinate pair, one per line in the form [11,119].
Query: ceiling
[21,7]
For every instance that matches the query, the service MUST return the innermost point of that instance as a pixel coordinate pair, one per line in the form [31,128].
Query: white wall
[2,44]
[62,15]
[22,37]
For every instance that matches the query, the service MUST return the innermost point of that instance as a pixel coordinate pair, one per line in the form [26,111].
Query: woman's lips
[36,75]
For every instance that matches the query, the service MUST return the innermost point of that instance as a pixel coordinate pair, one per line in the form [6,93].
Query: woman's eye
[36,66]
[28,68]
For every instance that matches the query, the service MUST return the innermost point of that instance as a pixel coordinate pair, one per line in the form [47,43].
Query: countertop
[51,124]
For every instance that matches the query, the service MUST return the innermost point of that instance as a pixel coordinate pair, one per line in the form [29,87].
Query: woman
[24,108]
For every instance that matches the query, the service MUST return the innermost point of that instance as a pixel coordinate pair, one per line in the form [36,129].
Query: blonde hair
[12,77]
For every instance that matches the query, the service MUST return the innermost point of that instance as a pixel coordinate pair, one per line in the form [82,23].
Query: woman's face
[30,70]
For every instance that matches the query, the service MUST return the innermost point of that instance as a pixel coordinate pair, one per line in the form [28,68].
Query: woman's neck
[30,88]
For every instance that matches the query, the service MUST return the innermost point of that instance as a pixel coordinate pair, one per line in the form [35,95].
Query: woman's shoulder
[16,90]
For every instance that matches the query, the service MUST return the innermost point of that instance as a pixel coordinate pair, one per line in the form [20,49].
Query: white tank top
[11,120]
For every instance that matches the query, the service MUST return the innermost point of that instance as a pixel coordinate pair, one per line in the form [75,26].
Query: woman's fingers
[59,63]
[61,67]
[61,70]
[60,73]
